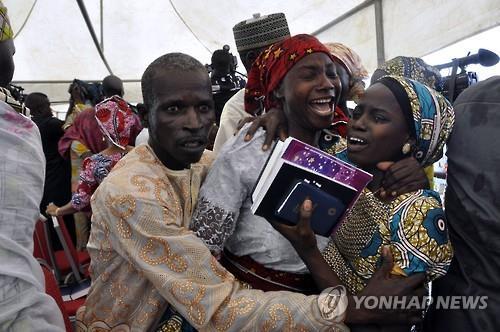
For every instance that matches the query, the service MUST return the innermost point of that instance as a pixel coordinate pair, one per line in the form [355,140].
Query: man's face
[181,116]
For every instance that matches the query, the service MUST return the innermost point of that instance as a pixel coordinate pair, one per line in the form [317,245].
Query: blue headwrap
[431,114]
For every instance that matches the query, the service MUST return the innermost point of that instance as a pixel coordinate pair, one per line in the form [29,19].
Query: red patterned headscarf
[116,120]
[273,64]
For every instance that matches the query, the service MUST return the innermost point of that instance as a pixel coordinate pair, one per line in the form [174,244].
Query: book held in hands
[296,170]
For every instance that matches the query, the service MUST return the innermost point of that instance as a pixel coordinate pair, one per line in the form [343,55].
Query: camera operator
[223,74]
[225,82]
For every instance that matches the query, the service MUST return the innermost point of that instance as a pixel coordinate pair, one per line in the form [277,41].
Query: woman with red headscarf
[116,122]
[297,75]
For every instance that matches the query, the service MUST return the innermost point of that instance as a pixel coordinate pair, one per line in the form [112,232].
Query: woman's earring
[406,148]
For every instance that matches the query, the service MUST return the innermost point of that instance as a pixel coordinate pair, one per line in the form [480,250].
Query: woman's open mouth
[322,106]
[355,144]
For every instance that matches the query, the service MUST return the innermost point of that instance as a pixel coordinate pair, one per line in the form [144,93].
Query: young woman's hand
[52,209]
[273,121]
[402,177]
[384,284]
[301,235]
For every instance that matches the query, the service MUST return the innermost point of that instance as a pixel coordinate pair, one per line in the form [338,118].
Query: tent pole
[92,33]
[102,25]
[379,32]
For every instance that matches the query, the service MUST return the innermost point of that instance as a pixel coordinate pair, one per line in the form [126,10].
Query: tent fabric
[55,45]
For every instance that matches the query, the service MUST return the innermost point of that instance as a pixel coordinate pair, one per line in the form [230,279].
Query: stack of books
[296,170]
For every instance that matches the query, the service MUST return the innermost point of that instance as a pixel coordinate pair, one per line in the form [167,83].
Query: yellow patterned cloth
[6,30]
[413,226]
[145,258]
[77,109]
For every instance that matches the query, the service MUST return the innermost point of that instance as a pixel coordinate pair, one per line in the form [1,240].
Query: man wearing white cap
[252,36]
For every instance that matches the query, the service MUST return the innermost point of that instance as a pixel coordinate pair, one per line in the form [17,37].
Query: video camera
[453,85]
[17,92]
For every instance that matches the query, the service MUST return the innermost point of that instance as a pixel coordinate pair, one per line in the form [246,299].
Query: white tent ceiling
[54,45]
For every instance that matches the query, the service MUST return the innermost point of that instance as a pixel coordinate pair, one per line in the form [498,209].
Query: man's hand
[273,121]
[383,284]
[402,177]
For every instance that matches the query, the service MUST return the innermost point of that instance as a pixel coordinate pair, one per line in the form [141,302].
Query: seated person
[116,122]
[396,117]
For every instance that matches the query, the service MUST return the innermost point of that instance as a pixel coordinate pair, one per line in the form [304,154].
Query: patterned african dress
[94,169]
[145,259]
[413,226]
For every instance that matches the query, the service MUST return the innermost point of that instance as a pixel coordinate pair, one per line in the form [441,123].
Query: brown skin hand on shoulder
[376,134]
[399,177]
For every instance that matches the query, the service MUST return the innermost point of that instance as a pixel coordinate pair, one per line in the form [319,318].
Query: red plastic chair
[40,246]
[43,249]
[68,308]
[70,258]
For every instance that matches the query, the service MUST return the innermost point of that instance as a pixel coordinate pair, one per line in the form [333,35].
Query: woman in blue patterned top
[395,118]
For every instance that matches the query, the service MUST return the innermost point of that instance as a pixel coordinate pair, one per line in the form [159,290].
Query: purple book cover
[302,154]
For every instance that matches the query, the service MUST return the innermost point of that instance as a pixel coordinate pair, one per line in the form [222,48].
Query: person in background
[80,141]
[83,139]
[351,73]
[251,36]
[81,98]
[116,121]
[57,186]
[409,67]
[472,205]
[24,305]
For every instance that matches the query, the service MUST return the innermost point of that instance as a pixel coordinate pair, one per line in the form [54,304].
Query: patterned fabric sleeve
[418,235]
[226,187]
[182,269]
[87,184]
